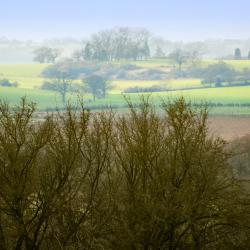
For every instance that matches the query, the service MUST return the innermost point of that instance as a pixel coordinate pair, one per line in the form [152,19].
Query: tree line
[140,180]
[116,44]
[107,45]
[46,54]
[124,43]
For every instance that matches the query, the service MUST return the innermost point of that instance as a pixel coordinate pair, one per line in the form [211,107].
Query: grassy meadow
[227,100]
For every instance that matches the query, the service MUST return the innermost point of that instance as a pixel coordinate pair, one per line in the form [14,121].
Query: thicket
[138,180]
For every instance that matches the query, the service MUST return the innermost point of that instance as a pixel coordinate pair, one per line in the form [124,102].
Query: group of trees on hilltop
[46,55]
[180,57]
[116,44]
[138,180]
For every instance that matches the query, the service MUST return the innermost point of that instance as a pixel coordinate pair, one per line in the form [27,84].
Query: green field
[227,96]
[229,100]
[44,99]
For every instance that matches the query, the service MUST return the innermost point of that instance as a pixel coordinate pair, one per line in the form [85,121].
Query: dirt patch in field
[229,127]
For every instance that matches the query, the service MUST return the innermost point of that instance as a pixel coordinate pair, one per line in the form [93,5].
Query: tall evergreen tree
[159,52]
[87,52]
[237,54]
[146,50]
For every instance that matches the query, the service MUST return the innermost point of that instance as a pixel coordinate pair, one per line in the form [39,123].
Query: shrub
[7,83]
[135,180]
[54,86]
[152,74]
[136,89]
[47,85]
[129,67]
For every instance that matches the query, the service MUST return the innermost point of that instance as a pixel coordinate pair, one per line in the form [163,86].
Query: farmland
[27,75]
[226,100]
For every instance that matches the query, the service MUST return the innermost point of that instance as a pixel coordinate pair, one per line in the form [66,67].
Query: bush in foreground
[81,180]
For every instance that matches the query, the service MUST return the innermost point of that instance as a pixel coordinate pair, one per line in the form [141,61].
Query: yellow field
[236,64]
[121,85]
[27,75]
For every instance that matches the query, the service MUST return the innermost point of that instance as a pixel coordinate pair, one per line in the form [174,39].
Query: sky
[185,20]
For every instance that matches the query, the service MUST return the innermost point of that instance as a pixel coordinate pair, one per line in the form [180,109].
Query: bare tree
[179,57]
[51,178]
[140,180]
[46,55]
[120,43]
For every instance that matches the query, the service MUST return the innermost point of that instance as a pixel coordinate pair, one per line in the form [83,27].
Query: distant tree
[218,82]
[41,54]
[87,52]
[194,57]
[52,56]
[245,76]
[61,79]
[97,86]
[248,57]
[237,54]
[119,43]
[159,52]
[146,50]
[46,55]
[179,57]
[102,55]
[217,74]
[78,55]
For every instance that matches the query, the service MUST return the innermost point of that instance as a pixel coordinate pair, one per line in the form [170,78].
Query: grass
[224,96]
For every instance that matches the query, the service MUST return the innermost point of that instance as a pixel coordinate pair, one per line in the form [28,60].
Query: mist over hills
[21,51]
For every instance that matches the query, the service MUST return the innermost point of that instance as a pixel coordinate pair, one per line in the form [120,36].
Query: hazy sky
[173,19]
